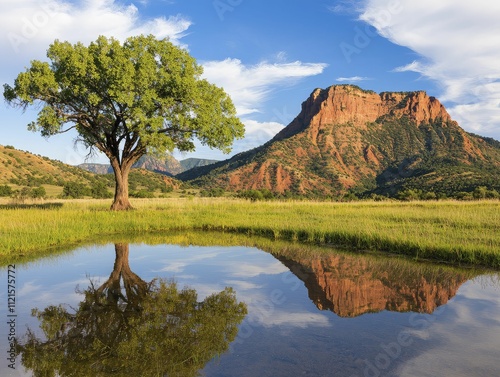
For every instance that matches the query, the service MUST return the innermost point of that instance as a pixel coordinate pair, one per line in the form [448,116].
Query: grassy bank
[457,232]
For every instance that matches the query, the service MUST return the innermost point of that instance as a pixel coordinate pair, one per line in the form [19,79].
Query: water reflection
[351,285]
[129,327]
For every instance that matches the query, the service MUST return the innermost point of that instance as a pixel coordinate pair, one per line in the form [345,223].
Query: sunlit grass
[458,232]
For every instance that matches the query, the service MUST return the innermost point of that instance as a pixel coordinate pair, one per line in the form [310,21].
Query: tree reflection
[127,327]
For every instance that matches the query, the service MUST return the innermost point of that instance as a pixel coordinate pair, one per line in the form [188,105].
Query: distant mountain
[346,138]
[170,166]
[191,163]
[97,168]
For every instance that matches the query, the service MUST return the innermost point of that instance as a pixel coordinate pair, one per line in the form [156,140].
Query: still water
[152,310]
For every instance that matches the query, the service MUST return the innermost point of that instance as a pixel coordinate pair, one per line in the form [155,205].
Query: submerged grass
[456,232]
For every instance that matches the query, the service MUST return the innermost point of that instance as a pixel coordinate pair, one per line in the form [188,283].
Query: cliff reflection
[353,285]
[128,327]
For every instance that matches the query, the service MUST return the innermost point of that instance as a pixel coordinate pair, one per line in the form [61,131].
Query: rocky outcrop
[341,104]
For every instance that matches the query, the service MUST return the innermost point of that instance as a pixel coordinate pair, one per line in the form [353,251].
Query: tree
[144,96]
[128,327]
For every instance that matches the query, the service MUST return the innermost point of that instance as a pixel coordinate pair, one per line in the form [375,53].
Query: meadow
[460,233]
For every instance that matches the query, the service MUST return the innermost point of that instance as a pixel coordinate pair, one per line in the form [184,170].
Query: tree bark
[120,201]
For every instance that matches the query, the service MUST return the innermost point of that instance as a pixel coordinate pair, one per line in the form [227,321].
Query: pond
[262,309]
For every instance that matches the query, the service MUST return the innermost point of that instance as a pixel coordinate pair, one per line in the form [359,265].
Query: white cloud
[472,318]
[297,319]
[247,270]
[242,285]
[28,27]
[458,45]
[352,79]
[249,86]
[256,134]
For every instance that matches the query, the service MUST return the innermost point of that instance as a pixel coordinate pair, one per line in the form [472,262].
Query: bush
[409,195]
[212,193]
[253,195]
[74,190]
[99,190]
[167,189]
[38,192]
[142,194]
[5,190]
[482,192]
[350,197]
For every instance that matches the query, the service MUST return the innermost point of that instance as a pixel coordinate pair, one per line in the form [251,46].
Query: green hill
[21,172]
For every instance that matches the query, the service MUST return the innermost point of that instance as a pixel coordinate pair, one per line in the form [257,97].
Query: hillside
[20,169]
[26,169]
[348,139]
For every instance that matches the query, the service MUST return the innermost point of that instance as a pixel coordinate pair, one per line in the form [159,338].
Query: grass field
[456,232]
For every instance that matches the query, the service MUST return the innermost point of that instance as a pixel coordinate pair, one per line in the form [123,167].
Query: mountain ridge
[169,166]
[346,138]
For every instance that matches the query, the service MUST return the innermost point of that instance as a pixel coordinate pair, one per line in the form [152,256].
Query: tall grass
[457,232]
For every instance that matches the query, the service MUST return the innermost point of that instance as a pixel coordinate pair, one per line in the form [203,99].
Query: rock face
[343,104]
[346,137]
[351,286]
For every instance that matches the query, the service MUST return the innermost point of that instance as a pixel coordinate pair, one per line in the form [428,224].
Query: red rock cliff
[341,104]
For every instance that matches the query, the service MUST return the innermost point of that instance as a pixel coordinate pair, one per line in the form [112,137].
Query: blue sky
[270,55]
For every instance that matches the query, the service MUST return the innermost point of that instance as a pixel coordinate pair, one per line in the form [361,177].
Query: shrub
[74,190]
[142,194]
[5,190]
[38,192]
[99,190]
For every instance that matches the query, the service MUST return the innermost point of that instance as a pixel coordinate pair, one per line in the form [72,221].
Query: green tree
[128,327]
[144,96]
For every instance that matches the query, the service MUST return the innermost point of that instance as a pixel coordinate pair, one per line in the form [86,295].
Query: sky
[269,55]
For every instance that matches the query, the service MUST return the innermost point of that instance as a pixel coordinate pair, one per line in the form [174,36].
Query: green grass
[456,232]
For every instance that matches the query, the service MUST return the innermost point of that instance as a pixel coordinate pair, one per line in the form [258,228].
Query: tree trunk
[121,201]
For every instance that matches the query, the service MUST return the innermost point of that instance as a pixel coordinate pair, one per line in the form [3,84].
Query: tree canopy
[143,96]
